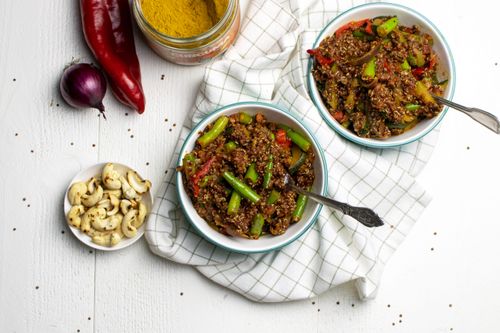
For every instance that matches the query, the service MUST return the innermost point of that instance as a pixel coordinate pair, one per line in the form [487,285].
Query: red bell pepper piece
[199,175]
[339,116]
[107,27]
[282,139]
[417,72]
[323,61]
[369,28]
[350,25]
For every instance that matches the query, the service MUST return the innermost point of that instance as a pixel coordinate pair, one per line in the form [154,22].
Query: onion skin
[83,85]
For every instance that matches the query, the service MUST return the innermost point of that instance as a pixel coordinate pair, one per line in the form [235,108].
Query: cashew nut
[116,193]
[139,185]
[106,224]
[74,215]
[89,200]
[103,240]
[75,193]
[141,216]
[89,218]
[126,205]
[127,224]
[128,191]
[110,177]
[104,203]
[115,204]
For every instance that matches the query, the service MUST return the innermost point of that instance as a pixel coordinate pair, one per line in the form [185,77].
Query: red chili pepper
[200,174]
[323,61]
[417,72]
[350,25]
[282,139]
[107,27]
[338,116]
[369,27]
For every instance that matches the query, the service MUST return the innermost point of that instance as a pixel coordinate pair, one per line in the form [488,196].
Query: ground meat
[377,106]
[255,144]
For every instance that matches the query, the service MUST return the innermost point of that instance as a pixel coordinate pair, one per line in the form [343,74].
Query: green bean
[296,138]
[268,173]
[230,146]
[412,107]
[243,189]
[273,197]
[271,136]
[245,118]
[300,206]
[234,203]
[385,28]
[371,68]
[257,224]
[405,66]
[214,132]
[252,174]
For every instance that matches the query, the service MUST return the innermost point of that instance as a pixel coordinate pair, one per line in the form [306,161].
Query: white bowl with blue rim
[265,243]
[407,17]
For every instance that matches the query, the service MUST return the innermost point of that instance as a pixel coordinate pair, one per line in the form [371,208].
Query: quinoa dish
[377,78]
[235,175]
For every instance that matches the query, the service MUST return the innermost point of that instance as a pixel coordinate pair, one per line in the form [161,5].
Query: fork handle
[486,119]
[364,215]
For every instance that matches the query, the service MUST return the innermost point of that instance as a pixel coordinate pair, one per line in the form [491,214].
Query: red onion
[83,85]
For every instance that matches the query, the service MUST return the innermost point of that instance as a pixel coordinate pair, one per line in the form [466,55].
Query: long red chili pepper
[200,174]
[107,26]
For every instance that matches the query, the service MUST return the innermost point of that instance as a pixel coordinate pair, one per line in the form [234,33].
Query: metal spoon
[364,215]
[484,118]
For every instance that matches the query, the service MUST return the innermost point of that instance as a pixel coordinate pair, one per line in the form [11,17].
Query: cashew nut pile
[108,207]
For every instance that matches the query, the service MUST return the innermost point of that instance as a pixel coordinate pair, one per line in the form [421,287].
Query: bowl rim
[276,108]
[376,143]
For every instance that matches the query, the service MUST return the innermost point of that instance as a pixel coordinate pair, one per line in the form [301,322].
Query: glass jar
[192,50]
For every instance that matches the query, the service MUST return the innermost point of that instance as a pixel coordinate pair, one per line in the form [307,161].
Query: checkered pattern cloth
[268,63]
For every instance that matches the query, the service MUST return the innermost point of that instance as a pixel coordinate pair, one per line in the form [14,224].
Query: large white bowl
[265,243]
[407,17]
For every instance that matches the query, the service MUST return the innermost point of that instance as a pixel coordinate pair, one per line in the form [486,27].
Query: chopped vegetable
[230,146]
[252,174]
[215,131]
[412,107]
[296,138]
[349,26]
[257,224]
[322,60]
[273,197]
[268,173]
[234,203]
[300,206]
[243,189]
[405,66]
[422,92]
[245,118]
[200,174]
[370,68]
[298,158]
[385,28]
[282,139]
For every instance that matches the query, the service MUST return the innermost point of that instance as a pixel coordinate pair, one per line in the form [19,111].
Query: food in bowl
[376,77]
[109,206]
[235,175]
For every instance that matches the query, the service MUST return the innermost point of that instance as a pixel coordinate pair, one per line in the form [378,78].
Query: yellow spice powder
[183,18]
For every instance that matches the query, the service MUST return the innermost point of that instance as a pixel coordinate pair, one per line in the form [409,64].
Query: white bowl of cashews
[106,205]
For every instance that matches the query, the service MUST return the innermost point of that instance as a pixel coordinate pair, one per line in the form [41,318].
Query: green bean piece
[300,206]
[272,136]
[234,203]
[412,107]
[405,66]
[214,132]
[370,68]
[230,146]
[268,173]
[256,227]
[296,138]
[385,28]
[273,197]
[252,174]
[243,189]
[245,118]
[204,181]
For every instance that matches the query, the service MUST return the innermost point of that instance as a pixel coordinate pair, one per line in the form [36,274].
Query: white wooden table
[444,278]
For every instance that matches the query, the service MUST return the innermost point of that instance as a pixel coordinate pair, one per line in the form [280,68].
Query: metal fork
[364,215]
[486,119]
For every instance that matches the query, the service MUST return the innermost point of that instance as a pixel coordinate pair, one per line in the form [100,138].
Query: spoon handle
[484,118]
[364,215]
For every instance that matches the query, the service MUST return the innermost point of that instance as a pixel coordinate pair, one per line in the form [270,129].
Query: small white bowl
[407,17]
[85,175]
[265,243]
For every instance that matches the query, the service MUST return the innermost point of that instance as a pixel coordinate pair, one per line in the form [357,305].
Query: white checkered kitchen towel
[269,63]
